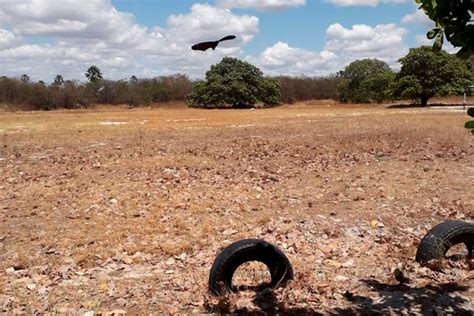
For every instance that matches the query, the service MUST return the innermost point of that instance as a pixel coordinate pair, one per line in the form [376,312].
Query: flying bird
[206,45]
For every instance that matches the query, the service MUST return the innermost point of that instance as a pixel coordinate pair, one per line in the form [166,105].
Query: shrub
[294,89]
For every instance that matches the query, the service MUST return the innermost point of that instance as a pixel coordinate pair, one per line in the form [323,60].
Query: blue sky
[150,38]
[303,26]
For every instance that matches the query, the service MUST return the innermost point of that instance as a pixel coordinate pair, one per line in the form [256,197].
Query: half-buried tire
[240,252]
[442,237]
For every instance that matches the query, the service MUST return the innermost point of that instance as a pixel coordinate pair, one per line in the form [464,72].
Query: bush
[294,89]
[27,95]
[37,96]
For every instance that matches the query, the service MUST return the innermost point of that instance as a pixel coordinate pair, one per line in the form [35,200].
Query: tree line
[424,73]
[233,83]
[24,94]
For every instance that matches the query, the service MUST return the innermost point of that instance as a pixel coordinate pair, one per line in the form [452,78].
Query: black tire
[440,238]
[227,262]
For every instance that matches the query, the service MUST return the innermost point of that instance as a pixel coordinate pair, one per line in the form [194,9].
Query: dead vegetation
[126,209]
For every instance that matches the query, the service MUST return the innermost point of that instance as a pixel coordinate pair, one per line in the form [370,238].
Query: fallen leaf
[374,223]
[127,260]
[31,286]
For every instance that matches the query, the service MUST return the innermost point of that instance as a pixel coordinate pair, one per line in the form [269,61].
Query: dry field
[120,209]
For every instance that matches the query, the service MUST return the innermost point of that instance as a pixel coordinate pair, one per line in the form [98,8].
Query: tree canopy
[365,80]
[234,83]
[425,74]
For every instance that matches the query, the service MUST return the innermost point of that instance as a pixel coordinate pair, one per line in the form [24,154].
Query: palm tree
[93,74]
[25,78]
[133,79]
[58,80]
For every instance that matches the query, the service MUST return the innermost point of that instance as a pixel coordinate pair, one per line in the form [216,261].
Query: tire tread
[233,253]
[443,236]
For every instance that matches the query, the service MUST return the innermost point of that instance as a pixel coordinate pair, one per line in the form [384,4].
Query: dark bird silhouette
[206,45]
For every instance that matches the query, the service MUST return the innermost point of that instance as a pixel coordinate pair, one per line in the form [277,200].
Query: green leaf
[432,33]
[438,44]
[470,112]
[469,124]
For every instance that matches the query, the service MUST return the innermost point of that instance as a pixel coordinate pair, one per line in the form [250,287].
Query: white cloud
[281,59]
[91,19]
[420,18]
[364,38]
[7,39]
[370,3]
[384,41]
[206,22]
[44,61]
[94,32]
[171,46]
[261,4]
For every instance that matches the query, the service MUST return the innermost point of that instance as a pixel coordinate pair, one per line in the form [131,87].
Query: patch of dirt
[130,217]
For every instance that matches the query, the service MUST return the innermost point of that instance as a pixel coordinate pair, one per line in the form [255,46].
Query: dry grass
[88,197]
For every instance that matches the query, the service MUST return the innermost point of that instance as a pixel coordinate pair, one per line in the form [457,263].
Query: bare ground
[126,210]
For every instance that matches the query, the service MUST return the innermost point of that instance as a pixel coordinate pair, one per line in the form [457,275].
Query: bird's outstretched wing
[206,45]
[227,38]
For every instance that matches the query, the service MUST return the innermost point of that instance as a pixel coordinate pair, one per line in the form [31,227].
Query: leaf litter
[132,226]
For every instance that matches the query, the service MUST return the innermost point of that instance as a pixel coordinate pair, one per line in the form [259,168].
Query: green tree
[425,74]
[58,80]
[453,19]
[94,74]
[234,83]
[364,81]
